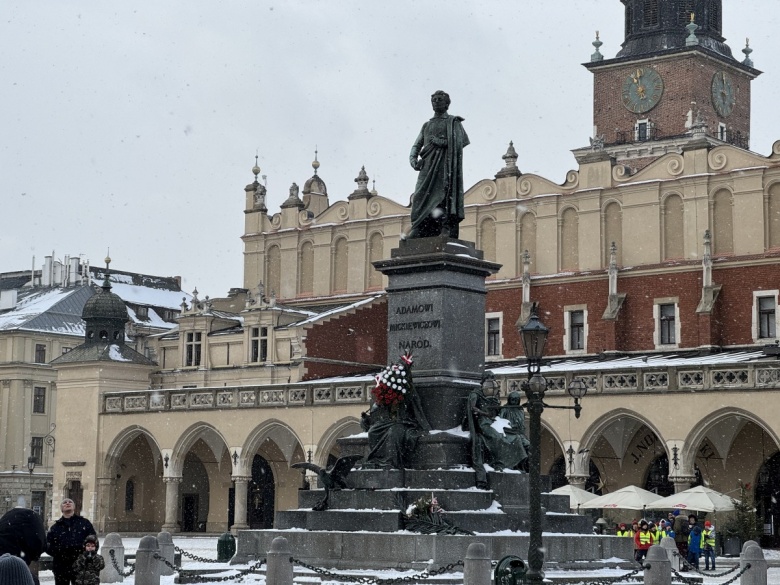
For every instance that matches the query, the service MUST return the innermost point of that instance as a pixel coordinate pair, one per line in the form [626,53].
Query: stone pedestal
[436,311]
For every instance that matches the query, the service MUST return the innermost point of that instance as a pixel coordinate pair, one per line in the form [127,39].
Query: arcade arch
[328,449]
[625,447]
[132,497]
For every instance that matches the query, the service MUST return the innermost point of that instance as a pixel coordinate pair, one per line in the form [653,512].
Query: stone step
[453,500]
[403,550]
[424,479]
[341,520]
[385,520]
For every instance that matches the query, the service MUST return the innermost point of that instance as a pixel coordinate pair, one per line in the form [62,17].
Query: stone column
[171,504]
[577,481]
[239,514]
[682,482]
[106,488]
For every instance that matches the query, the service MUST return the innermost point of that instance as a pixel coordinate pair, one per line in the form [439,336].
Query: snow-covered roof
[50,310]
[314,318]
[676,359]
[150,296]
[58,309]
[103,352]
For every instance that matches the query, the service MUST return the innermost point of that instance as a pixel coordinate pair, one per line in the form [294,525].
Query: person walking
[643,540]
[65,541]
[695,544]
[22,535]
[709,545]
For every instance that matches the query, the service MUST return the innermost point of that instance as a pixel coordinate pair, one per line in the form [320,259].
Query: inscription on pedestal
[417,321]
[416,324]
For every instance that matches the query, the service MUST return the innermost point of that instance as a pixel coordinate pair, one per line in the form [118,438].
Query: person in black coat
[22,535]
[65,541]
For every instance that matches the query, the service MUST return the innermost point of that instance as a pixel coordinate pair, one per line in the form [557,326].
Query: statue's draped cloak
[440,182]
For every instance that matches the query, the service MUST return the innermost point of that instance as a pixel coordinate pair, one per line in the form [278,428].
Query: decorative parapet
[345,392]
[706,378]
[746,376]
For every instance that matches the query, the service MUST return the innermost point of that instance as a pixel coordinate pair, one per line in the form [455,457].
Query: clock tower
[675,77]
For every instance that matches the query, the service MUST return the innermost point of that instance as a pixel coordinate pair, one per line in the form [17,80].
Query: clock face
[642,90]
[723,97]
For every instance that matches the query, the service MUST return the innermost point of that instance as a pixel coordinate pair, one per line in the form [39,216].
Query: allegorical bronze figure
[437,202]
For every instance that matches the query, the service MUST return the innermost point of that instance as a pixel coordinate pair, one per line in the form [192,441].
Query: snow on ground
[206,546]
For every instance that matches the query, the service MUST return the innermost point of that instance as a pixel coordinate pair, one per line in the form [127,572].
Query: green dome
[105,305]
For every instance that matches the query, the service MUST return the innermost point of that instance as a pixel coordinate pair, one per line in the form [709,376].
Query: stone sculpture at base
[492,438]
[395,420]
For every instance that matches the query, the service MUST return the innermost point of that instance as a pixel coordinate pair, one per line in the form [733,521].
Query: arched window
[376,251]
[773,217]
[306,283]
[528,239]
[570,256]
[613,231]
[722,223]
[129,495]
[487,239]
[674,241]
[273,270]
[340,265]
[629,20]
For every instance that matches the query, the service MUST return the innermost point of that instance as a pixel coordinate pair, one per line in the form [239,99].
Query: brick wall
[357,337]
[728,325]
[686,78]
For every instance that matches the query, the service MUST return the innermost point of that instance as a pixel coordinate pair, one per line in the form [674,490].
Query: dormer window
[193,349]
[259,345]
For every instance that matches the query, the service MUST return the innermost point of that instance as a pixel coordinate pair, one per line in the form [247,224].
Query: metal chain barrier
[240,574]
[112,554]
[694,581]
[632,576]
[189,555]
[690,567]
[426,574]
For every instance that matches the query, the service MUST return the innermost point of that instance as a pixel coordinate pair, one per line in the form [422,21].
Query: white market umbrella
[577,496]
[627,498]
[699,498]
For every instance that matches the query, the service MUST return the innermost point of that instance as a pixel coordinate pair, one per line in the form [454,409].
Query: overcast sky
[134,125]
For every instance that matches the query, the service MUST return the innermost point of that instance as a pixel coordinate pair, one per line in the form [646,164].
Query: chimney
[46,274]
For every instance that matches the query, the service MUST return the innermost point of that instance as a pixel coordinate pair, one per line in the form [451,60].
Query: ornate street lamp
[534,335]
[31,467]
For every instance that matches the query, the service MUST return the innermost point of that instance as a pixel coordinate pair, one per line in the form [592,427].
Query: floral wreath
[393,382]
